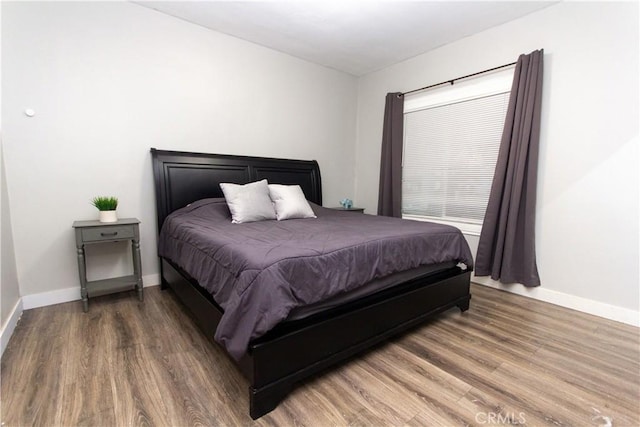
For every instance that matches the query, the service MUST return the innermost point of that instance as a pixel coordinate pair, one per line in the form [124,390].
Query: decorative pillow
[290,202]
[249,202]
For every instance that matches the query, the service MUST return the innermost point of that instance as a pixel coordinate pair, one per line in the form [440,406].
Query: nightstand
[93,232]
[351,209]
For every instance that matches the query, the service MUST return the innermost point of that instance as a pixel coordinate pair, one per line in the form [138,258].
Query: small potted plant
[107,207]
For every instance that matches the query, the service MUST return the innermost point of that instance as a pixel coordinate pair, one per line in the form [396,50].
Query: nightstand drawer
[112,232]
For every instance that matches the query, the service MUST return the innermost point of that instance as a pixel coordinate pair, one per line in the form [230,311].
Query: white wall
[109,80]
[587,215]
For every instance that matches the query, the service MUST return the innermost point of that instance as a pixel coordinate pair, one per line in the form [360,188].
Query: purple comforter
[258,272]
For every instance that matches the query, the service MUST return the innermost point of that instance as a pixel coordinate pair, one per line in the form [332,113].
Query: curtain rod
[458,78]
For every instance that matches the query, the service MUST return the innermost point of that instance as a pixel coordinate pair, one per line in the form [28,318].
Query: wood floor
[508,360]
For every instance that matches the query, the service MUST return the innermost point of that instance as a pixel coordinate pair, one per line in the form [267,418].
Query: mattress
[263,273]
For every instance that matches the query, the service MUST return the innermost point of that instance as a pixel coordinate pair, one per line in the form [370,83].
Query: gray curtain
[390,190]
[506,250]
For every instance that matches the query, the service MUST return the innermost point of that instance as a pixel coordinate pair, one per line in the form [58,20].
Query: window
[451,141]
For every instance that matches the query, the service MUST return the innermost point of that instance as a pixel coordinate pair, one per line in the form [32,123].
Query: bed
[296,347]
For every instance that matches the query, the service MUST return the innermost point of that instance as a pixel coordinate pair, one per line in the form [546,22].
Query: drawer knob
[115,233]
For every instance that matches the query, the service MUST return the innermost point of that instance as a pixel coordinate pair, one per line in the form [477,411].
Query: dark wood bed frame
[293,350]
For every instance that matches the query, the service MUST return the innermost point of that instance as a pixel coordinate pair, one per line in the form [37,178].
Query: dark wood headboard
[182,178]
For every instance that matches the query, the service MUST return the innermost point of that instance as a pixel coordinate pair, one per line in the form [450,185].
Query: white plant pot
[108,216]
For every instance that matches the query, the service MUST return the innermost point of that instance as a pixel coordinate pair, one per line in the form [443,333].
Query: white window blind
[449,158]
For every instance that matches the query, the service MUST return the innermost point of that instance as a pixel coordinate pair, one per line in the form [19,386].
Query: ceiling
[357,37]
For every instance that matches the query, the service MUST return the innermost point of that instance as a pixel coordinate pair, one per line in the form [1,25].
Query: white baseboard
[59,296]
[10,326]
[600,309]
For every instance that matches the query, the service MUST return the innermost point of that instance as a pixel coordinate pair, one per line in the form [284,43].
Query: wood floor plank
[373,395]
[319,403]
[567,397]
[127,364]
[480,378]
[415,374]
[485,403]
[582,374]
[38,385]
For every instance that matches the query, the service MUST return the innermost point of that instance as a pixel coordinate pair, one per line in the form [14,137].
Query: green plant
[104,203]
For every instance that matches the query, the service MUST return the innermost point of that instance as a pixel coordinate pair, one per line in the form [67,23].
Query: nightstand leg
[82,272]
[137,267]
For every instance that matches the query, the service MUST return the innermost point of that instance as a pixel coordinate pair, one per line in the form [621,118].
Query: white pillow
[290,202]
[249,202]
